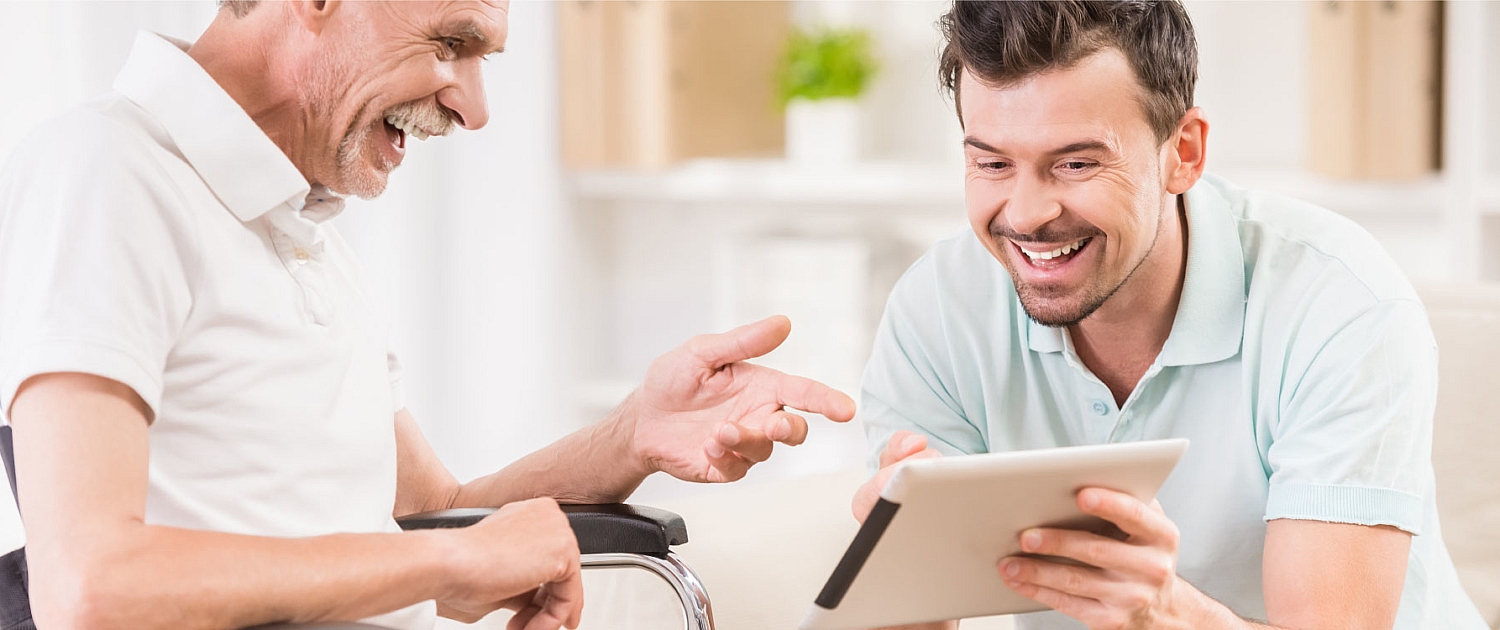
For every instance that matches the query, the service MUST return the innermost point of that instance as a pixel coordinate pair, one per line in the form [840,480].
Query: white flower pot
[824,132]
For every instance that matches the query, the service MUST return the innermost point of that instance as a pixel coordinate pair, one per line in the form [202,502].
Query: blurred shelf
[1489,195]
[780,182]
[770,182]
[1422,197]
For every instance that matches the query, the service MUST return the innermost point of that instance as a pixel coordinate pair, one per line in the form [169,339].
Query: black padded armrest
[600,528]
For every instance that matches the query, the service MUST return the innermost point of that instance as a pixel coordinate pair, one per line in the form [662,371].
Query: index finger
[809,395]
[1130,514]
[563,606]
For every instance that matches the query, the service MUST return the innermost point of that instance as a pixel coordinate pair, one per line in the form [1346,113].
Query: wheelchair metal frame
[697,611]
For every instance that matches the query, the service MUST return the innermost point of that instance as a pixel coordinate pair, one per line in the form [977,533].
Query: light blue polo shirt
[1300,364]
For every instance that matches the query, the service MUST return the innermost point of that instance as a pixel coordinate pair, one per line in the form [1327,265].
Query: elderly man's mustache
[420,119]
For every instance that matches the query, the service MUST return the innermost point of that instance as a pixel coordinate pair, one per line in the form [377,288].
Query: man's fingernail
[911,441]
[714,450]
[1090,500]
[1011,568]
[1031,540]
[730,434]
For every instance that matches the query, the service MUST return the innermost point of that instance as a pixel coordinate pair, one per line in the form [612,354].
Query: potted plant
[821,77]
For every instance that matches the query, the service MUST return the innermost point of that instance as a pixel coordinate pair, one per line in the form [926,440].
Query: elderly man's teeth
[408,127]
[1061,251]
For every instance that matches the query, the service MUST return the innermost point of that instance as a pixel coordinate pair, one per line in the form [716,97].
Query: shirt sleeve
[908,383]
[1354,442]
[94,259]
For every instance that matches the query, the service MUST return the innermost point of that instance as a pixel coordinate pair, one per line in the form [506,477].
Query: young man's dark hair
[1003,42]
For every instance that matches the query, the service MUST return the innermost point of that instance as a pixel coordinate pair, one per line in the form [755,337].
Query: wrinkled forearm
[595,464]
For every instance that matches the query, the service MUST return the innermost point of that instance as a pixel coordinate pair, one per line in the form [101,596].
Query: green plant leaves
[831,63]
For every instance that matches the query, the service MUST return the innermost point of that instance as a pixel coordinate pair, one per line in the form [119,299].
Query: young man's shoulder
[1289,243]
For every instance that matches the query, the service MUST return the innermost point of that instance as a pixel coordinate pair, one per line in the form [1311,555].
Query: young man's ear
[1186,152]
[313,15]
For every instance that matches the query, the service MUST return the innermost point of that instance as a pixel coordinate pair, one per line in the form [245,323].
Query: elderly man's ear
[1185,152]
[313,15]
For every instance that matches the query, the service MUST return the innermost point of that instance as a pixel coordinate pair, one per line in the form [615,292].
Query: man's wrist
[439,555]
[615,438]
[1206,612]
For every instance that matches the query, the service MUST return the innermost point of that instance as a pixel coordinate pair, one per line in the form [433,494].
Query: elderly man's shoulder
[104,135]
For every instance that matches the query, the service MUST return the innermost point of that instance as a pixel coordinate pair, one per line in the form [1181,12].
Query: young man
[208,427]
[1111,291]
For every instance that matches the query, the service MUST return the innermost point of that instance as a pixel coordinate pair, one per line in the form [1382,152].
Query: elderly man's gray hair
[240,8]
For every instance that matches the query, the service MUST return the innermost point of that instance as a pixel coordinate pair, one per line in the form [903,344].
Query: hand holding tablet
[931,546]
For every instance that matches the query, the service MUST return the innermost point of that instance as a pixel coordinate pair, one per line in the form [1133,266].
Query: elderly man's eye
[452,44]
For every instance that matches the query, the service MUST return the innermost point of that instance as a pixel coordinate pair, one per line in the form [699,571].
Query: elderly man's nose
[464,99]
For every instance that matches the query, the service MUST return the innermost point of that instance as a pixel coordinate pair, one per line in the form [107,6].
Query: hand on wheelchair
[524,558]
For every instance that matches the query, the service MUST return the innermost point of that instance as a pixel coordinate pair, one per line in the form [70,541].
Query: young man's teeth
[1061,251]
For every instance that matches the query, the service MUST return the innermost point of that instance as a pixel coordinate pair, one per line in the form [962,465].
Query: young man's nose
[1030,206]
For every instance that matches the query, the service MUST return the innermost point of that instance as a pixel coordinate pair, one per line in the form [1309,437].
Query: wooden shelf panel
[771,182]
[762,182]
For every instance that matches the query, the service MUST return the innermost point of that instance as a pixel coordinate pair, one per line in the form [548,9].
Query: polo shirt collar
[243,167]
[1210,320]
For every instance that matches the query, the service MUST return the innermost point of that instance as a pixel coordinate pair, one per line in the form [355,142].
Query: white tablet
[929,550]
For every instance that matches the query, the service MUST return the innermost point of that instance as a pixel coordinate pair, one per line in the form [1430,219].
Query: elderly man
[209,430]
[1111,291]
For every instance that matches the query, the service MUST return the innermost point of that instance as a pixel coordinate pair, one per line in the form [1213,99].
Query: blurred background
[657,170]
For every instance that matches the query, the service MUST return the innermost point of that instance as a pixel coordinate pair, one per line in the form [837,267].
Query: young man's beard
[1093,295]
[1093,298]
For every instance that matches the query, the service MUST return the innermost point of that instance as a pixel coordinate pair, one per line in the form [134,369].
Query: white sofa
[764,549]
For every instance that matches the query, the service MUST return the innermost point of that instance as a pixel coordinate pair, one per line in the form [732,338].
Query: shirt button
[1101,408]
[301,255]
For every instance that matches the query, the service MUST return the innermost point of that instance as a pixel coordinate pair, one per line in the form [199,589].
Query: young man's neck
[1121,340]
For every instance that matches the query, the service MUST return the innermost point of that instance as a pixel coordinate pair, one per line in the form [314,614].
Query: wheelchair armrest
[600,528]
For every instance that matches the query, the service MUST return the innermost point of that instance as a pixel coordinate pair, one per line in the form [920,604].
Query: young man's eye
[1076,166]
[991,165]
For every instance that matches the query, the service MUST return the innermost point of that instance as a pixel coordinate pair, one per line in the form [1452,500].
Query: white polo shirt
[157,237]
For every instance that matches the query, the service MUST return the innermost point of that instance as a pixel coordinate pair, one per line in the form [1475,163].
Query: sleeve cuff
[87,357]
[1356,505]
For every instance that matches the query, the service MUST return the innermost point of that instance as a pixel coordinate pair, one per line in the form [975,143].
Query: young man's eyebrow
[979,144]
[1076,147]
[1086,145]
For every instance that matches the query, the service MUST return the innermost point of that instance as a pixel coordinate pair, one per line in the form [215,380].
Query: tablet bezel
[944,487]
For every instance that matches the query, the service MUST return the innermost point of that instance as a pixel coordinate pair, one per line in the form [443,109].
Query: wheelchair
[611,535]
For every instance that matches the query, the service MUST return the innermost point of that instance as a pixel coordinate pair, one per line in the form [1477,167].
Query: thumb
[743,343]
[902,444]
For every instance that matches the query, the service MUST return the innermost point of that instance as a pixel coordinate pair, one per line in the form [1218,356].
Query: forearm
[592,465]
[161,577]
